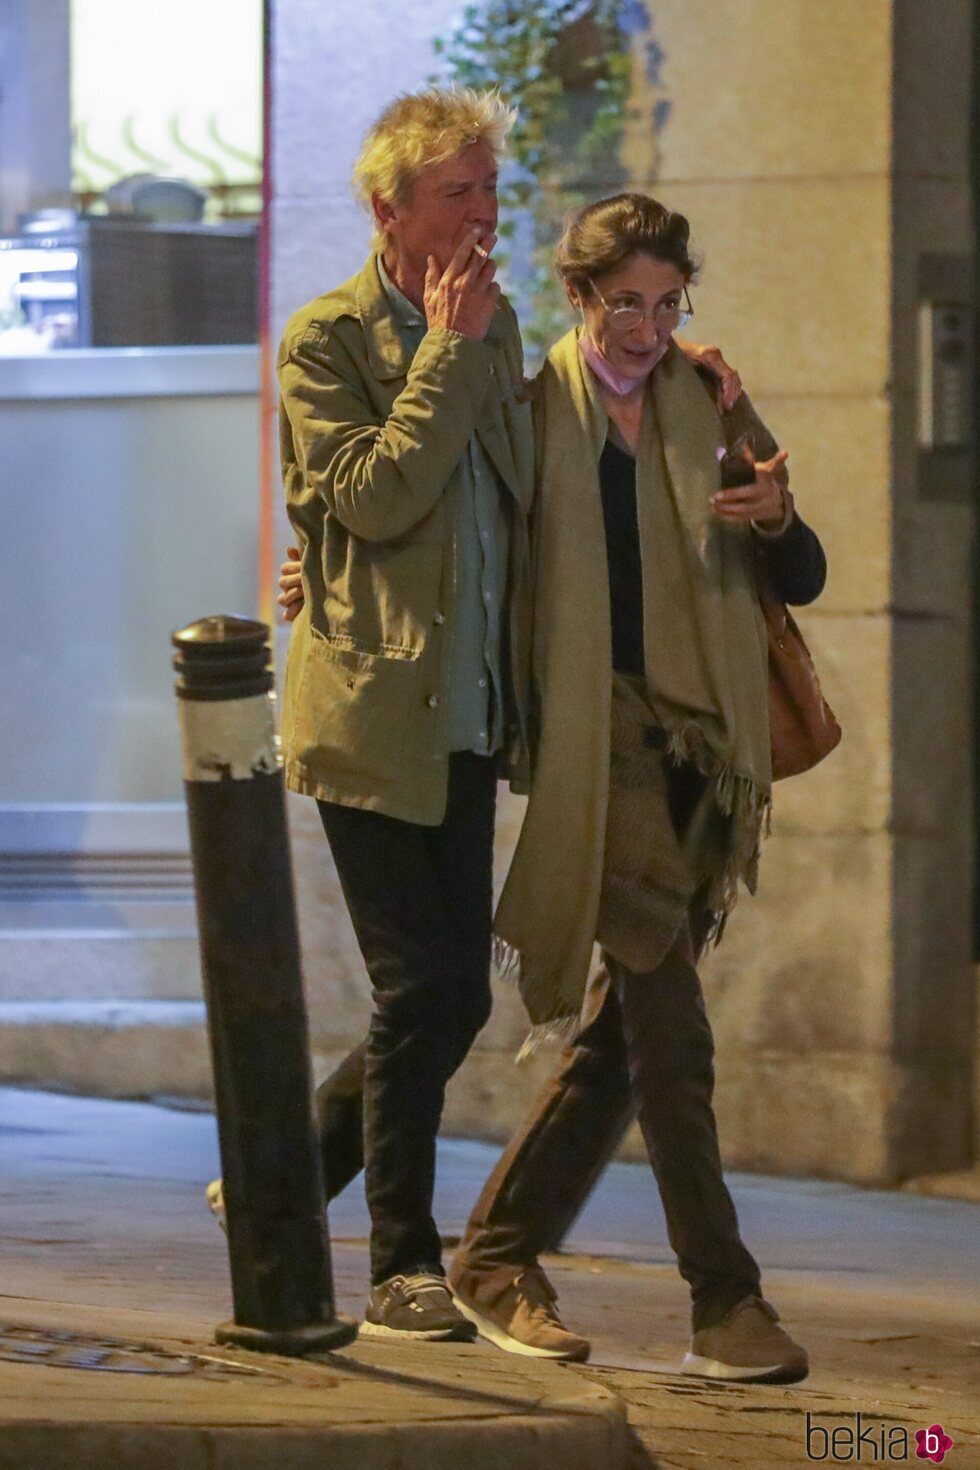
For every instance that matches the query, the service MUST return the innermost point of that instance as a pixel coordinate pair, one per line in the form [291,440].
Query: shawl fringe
[507,960]
[510,966]
[739,797]
[562,1030]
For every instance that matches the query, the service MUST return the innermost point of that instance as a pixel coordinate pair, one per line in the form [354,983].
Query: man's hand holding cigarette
[463,297]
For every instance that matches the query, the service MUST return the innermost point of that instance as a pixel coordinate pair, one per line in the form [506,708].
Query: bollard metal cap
[217,631]
[225,656]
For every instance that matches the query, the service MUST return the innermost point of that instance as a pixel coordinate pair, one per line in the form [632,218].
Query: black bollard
[279,1249]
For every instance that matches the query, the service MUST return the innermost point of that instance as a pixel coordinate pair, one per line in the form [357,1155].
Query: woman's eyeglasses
[669,314]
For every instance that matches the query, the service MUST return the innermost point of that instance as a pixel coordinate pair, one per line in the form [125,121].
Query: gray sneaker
[747,1347]
[417,1305]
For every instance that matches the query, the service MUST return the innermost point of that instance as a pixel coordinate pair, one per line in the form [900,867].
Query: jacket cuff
[449,357]
[469,349]
[789,513]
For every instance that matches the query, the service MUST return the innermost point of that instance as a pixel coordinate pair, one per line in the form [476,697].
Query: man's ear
[384,212]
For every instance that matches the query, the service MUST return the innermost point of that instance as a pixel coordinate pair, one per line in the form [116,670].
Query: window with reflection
[155,243]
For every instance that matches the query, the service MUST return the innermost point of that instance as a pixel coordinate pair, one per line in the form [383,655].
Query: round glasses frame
[628,318]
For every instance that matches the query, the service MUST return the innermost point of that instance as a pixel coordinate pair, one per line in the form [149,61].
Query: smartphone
[735,468]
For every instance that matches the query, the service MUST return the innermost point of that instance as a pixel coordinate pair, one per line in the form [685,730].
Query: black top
[617,481]
[796,559]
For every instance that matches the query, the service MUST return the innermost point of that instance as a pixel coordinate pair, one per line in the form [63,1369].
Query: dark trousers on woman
[645,1051]
[420,899]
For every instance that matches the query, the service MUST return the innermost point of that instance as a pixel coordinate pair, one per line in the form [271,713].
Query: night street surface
[102,1206]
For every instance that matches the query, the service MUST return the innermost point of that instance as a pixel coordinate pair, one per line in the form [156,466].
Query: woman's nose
[647,334]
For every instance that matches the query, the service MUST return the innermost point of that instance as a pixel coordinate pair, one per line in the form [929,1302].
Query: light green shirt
[481,536]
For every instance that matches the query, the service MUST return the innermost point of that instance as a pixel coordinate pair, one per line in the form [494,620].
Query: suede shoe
[417,1305]
[515,1310]
[747,1346]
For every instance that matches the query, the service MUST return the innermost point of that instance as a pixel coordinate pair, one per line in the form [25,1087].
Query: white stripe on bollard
[233,737]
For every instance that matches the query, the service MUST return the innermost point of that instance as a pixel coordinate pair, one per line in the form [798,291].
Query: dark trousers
[420,899]
[646,1050]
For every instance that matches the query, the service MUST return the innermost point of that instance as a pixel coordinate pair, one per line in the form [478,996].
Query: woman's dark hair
[601,236]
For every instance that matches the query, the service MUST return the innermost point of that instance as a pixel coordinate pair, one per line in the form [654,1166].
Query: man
[406,453]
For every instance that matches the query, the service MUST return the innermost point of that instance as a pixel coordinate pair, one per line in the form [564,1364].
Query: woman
[651,783]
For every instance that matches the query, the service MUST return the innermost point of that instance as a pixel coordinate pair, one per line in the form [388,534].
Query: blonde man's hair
[420,128]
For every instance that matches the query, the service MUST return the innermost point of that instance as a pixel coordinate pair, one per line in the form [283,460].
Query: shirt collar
[405,314]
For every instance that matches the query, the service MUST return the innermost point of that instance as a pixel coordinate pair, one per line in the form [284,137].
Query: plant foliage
[566,66]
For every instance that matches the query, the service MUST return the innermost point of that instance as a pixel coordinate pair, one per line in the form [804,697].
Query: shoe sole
[696,1367]
[460,1333]
[503,1340]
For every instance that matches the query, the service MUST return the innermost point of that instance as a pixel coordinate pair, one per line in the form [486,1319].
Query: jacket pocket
[355,712]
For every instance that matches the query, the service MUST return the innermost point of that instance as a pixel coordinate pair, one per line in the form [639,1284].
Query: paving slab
[145,1390]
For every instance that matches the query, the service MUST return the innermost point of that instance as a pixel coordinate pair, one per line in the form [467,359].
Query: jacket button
[439,619]
[433,701]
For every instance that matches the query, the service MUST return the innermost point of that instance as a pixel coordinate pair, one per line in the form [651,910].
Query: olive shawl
[705,665]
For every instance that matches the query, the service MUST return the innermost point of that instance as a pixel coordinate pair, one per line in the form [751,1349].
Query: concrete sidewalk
[113,1279]
[168,1399]
[103,1230]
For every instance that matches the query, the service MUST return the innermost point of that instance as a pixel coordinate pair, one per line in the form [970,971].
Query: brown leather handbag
[802,726]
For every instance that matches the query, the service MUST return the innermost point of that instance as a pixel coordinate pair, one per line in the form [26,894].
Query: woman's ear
[574,295]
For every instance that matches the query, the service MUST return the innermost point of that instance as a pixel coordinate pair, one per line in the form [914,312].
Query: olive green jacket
[369,439]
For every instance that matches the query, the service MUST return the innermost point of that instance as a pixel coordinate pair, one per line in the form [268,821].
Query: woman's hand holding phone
[753,491]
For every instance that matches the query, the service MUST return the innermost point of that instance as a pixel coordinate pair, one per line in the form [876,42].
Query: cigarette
[484,254]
